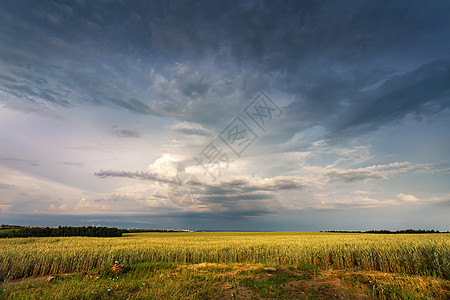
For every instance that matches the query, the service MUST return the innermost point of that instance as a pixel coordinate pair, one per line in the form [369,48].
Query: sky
[225,115]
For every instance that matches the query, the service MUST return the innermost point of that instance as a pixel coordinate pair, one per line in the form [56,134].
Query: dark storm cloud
[254,188]
[229,201]
[238,194]
[212,217]
[234,198]
[424,91]
[244,185]
[337,61]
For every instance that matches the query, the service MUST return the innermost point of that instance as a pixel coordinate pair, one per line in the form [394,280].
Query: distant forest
[90,231]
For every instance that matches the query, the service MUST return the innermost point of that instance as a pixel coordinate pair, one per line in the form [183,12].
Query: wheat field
[421,254]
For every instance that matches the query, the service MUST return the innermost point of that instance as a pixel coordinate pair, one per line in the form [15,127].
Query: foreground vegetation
[170,261]
[228,281]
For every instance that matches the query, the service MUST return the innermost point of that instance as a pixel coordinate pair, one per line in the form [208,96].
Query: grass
[395,286]
[208,265]
[228,281]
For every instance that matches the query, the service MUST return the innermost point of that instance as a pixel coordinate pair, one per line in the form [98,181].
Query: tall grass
[424,254]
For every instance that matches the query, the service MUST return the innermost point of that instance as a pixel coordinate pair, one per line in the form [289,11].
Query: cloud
[216,63]
[85,205]
[407,198]
[235,194]
[6,186]
[35,194]
[72,164]
[443,201]
[248,188]
[353,175]
[35,94]
[361,174]
[190,128]
[135,175]
[265,184]
[276,193]
[168,165]
[355,203]
[360,192]
[430,170]
[424,91]
[56,208]
[126,133]
[13,160]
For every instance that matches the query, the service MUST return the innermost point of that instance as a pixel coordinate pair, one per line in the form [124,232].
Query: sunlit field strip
[424,254]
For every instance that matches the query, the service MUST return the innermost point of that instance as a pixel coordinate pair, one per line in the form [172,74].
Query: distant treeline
[153,230]
[61,231]
[404,231]
[387,231]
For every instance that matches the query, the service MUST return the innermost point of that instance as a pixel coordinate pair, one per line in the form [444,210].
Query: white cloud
[407,198]
[89,206]
[191,128]
[167,166]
